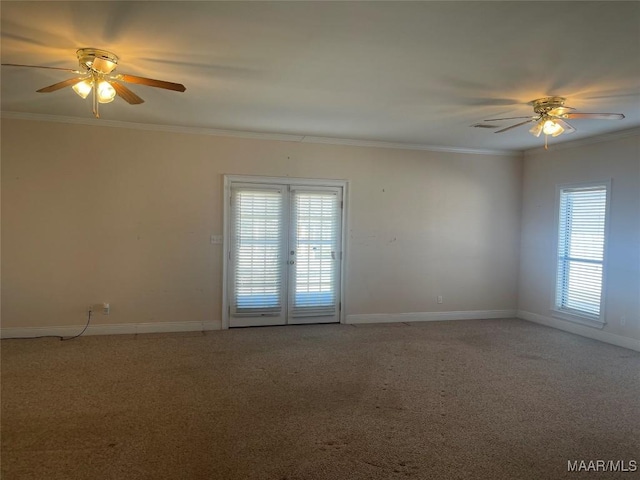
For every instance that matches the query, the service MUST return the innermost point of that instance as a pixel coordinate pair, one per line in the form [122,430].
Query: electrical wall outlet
[440,299]
[104,307]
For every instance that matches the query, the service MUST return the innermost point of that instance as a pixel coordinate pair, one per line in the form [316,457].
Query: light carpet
[478,399]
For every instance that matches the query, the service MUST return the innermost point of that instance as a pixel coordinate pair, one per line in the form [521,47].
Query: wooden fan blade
[59,85]
[596,116]
[177,87]
[507,118]
[126,94]
[516,125]
[39,66]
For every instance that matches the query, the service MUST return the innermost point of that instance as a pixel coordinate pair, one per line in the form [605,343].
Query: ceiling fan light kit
[97,75]
[97,63]
[550,113]
[548,127]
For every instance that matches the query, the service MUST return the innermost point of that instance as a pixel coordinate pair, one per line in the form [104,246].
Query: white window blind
[257,263]
[581,239]
[315,222]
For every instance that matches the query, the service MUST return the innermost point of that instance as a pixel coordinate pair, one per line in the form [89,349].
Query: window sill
[572,317]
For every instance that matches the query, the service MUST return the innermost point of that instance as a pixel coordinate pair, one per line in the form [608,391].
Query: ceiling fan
[550,113]
[96,73]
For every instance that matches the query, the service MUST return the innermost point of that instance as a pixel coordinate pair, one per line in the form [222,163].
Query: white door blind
[257,263]
[581,250]
[315,232]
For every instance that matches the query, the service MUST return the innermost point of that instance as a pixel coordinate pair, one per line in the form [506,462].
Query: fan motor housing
[98,60]
[543,105]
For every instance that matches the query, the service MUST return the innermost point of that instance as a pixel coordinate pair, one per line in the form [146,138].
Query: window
[581,241]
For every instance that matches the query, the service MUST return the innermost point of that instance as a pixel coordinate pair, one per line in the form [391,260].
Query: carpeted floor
[487,399]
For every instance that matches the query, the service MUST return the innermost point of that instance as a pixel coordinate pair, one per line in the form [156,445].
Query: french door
[285,252]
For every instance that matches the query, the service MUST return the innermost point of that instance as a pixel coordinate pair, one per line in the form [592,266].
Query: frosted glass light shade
[536,130]
[552,128]
[106,93]
[82,88]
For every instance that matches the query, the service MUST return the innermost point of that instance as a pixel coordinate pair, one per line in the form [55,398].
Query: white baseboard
[428,316]
[589,332]
[113,329]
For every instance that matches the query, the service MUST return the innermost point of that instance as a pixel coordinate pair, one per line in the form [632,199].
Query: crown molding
[408,146]
[252,135]
[95,122]
[605,137]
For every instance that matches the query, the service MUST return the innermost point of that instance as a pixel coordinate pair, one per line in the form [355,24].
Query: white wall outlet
[440,299]
[623,321]
[90,309]
[106,309]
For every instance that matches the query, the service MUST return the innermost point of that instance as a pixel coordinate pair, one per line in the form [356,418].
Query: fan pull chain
[545,142]
[95,98]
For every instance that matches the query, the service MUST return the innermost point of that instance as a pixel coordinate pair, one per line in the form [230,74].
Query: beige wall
[93,214]
[618,160]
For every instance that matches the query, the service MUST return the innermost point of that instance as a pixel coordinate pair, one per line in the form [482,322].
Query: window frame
[574,315]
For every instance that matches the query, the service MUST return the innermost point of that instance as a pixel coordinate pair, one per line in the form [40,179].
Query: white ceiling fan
[550,116]
[96,74]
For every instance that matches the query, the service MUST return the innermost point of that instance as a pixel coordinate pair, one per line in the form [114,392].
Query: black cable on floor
[62,339]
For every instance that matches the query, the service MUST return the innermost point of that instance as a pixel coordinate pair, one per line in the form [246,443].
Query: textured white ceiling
[418,73]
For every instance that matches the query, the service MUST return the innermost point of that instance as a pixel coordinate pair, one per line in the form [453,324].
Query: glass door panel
[258,242]
[314,240]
